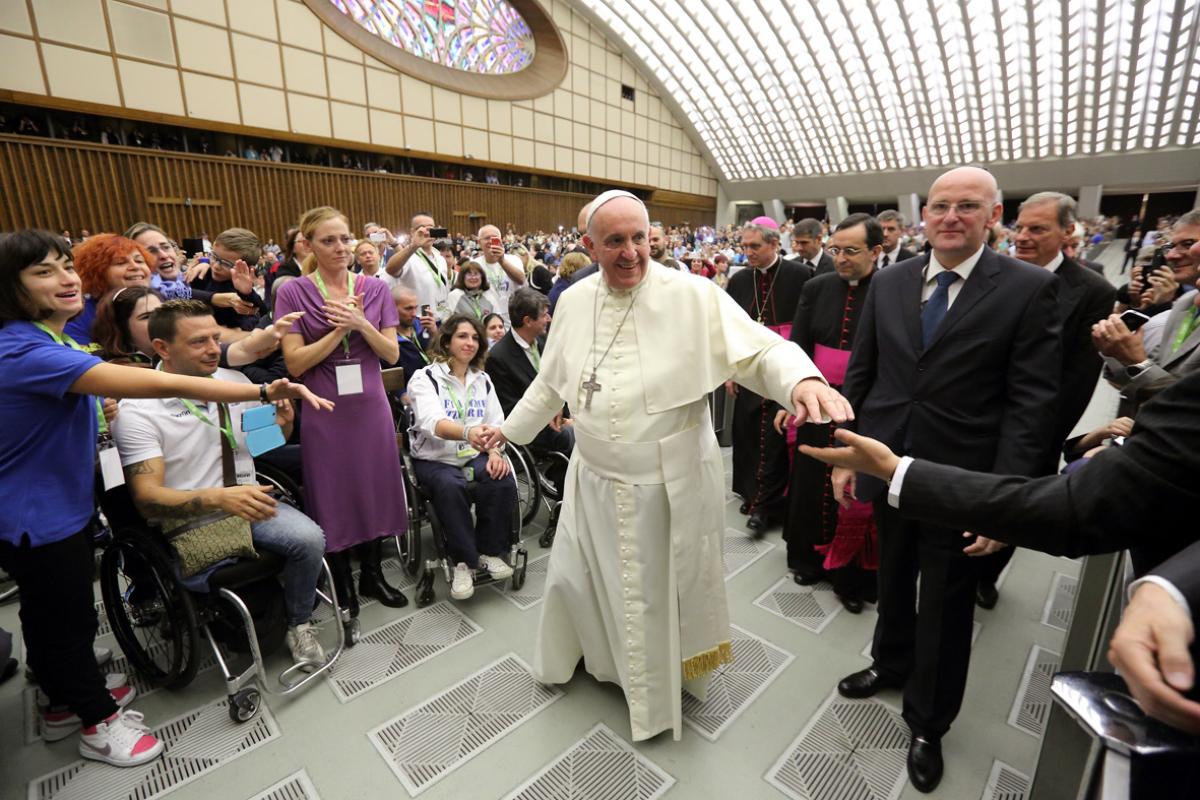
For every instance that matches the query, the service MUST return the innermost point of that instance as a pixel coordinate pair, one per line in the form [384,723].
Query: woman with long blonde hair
[349,324]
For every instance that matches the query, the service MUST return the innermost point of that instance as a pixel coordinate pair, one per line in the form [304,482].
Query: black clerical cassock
[760,460]
[819,545]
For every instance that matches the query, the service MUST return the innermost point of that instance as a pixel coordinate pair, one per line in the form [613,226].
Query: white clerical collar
[1055,262]
[964,269]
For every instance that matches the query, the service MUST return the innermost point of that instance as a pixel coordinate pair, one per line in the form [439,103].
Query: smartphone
[438,233]
[1134,319]
[378,237]
[425,311]
[192,247]
[496,241]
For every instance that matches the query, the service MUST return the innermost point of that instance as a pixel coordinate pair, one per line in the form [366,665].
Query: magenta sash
[832,363]
[784,330]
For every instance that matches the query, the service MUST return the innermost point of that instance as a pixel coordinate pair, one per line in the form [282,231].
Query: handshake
[485,437]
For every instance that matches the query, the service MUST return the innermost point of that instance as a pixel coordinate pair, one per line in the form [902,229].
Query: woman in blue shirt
[49,426]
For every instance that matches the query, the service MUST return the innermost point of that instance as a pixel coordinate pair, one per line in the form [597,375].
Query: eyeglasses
[1186,244]
[849,252]
[224,262]
[161,250]
[967,208]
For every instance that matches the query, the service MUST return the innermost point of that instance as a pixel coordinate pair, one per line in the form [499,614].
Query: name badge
[466,451]
[349,377]
[110,465]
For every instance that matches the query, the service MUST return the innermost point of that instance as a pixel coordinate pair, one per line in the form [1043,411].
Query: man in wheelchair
[513,364]
[454,406]
[190,461]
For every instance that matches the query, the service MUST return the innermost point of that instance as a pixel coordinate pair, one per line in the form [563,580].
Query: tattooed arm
[158,503]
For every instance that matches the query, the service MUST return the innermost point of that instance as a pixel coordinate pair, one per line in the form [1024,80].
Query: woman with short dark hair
[467,296]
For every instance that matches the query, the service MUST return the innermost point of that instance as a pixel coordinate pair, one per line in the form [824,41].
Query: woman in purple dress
[352,481]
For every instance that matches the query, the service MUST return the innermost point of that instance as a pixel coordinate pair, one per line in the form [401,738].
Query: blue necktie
[935,306]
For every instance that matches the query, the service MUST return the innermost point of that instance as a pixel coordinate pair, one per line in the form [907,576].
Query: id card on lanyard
[347,371]
[464,449]
[106,449]
[438,280]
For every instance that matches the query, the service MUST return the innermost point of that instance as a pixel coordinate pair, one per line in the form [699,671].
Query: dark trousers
[562,441]
[58,621]
[926,642]
[494,501]
[760,454]
[991,566]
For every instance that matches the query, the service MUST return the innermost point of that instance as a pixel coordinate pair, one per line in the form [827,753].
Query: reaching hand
[782,420]
[1112,338]
[283,326]
[477,435]
[861,454]
[494,439]
[982,546]
[283,389]
[1150,649]
[243,279]
[815,401]
[196,271]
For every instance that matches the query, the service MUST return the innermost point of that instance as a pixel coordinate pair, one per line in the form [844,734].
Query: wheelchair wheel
[425,593]
[153,617]
[244,705]
[408,544]
[286,489]
[529,487]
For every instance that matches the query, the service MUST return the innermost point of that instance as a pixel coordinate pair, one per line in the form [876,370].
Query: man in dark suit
[807,237]
[892,222]
[1117,500]
[957,358]
[514,362]
[1044,221]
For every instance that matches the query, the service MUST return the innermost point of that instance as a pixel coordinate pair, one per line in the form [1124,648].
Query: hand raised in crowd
[283,389]
[110,409]
[231,300]
[1150,649]
[1161,289]
[428,322]
[248,501]
[265,341]
[196,269]
[347,315]
[1112,338]
[388,238]
[242,277]
[421,237]
[816,401]
[497,466]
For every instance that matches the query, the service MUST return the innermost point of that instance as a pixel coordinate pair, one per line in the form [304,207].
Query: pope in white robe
[636,582]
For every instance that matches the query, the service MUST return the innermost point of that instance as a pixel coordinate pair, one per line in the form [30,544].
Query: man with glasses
[957,358]
[1128,365]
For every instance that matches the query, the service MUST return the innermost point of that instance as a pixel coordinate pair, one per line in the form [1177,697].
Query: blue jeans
[301,542]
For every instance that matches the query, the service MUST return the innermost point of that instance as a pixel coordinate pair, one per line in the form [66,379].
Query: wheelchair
[534,489]
[422,513]
[157,617]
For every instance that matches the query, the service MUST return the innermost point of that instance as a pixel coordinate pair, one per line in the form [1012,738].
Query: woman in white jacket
[454,407]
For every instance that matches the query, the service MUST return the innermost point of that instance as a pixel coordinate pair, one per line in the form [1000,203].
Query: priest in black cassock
[769,293]
[823,541]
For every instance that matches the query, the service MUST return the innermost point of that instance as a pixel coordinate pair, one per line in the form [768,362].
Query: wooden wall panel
[57,184]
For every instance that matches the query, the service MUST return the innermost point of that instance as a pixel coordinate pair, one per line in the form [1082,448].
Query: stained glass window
[481,36]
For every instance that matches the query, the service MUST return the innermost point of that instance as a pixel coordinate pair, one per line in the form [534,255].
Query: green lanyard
[537,358]
[1185,330]
[200,415]
[437,276]
[475,304]
[416,341]
[462,412]
[317,279]
[67,341]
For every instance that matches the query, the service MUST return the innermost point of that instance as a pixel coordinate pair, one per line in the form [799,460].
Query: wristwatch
[1133,370]
[262,393]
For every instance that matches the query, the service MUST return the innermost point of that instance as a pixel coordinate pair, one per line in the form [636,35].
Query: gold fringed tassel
[706,662]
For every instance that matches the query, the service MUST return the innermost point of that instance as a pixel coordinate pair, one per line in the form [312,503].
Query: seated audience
[470,293]
[455,406]
[104,262]
[493,326]
[186,464]
[414,332]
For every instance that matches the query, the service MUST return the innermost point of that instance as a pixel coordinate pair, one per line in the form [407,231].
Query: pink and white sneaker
[58,724]
[122,740]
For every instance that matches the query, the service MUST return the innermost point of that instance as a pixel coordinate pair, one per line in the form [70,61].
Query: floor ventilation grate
[530,594]
[1005,783]
[1060,602]
[428,742]
[810,607]
[297,786]
[1032,704]
[733,687]
[741,550]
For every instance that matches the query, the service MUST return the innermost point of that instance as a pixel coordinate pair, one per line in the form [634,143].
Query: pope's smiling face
[619,241]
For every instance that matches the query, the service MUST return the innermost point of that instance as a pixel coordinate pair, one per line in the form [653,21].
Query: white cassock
[636,582]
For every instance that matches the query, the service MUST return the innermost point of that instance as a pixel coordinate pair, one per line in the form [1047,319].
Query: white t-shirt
[190,449]
[418,276]
[500,285]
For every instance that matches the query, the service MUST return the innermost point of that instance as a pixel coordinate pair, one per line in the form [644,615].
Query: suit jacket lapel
[1070,287]
[518,354]
[1172,330]
[910,305]
[981,282]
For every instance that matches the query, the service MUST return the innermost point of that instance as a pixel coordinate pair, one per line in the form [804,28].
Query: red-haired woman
[105,262]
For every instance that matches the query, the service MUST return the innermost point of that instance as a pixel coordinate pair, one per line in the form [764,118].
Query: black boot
[343,581]
[370,580]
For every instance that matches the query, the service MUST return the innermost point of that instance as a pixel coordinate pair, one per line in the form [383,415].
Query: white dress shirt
[934,268]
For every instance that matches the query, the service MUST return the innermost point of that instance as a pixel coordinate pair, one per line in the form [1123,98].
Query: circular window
[503,49]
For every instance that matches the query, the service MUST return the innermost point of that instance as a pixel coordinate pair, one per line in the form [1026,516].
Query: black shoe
[343,581]
[925,763]
[865,683]
[852,604]
[759,523]
[987,595]
[744,508]
[808,577]
[371,582]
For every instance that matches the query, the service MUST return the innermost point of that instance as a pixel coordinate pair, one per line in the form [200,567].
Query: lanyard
[227,430]
[437,276]
[416,340]
[317,279]
[462,412]
[67,341]
[475,304]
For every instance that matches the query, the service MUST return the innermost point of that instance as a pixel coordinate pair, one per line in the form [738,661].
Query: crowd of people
[957,340]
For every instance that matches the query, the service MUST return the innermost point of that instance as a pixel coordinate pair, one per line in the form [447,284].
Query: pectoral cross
[590,386]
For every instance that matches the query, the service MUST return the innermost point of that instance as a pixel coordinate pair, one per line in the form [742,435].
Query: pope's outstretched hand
[815,400]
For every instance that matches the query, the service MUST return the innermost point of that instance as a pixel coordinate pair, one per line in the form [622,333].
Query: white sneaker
[59,723]
[463,585]
[302,641]
[122,740]
[103,655]
[495,567]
